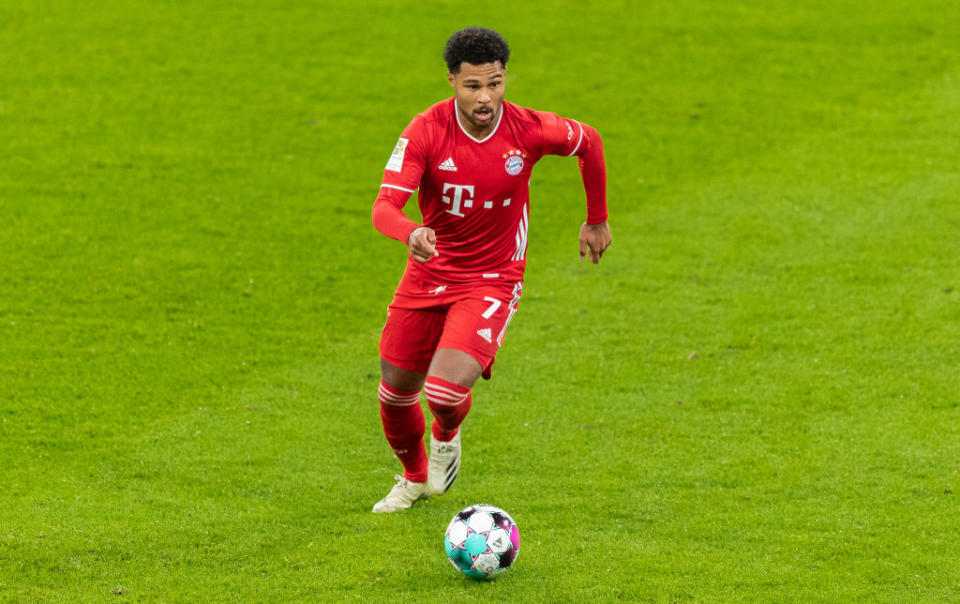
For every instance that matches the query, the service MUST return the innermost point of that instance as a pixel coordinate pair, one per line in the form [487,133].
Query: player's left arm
[563,136]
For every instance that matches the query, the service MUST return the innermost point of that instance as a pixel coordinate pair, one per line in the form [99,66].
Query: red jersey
[475,193]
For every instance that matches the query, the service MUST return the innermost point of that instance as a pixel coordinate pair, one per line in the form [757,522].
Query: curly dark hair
[475,45]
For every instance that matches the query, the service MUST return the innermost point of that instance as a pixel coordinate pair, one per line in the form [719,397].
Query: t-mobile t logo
[458,197]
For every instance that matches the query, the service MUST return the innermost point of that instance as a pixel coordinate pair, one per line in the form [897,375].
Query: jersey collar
[456,115]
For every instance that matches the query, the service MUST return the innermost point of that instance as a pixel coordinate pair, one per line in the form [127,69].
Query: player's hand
[423,244]
[597,238]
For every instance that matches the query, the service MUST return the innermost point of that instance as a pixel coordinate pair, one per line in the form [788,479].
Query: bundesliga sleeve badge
[514,163]
[396,158]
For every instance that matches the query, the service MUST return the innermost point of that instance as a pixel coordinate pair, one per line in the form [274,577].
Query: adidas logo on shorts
[486,334]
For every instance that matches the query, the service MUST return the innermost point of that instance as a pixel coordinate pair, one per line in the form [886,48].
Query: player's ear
[452,79]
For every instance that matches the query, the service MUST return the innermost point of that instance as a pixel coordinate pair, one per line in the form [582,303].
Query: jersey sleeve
[401,178]
[561,136]
[407,162]
[564,136]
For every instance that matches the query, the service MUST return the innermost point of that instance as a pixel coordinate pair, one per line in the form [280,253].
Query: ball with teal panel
[482,541]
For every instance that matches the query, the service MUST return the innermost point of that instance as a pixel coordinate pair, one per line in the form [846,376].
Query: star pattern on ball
[482,541]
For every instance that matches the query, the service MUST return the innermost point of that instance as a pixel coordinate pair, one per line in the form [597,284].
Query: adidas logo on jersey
[486,334]
[448,165]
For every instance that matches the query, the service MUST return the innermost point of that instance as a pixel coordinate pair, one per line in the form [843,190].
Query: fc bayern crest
[514,163]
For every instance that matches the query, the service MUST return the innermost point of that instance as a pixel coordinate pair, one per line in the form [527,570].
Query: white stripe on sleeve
[579,140]
[398,188]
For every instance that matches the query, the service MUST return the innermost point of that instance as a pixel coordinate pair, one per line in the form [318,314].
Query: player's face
[479,90]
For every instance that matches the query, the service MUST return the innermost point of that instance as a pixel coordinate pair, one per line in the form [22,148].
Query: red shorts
[426,316]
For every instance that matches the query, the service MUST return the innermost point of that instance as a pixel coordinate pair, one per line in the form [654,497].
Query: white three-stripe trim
[443,396]
[397,400]
[513,308]
[521,236]
[446,395]
[444,389]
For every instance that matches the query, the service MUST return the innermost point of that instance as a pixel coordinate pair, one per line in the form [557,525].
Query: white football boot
[444,464]
[403,495]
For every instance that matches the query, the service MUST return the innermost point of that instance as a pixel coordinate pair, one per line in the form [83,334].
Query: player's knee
[455,366]
[400,379]
[449,403]
[445,397]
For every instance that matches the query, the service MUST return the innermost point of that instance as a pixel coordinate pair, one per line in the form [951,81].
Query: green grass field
[754,397]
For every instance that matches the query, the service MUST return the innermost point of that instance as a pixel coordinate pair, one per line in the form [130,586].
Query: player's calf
[449,403]
[403,425]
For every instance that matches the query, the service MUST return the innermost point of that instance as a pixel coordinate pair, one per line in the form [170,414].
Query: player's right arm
[401,177]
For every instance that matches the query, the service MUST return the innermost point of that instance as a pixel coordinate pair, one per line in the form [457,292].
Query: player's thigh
[408,342]
[455,366]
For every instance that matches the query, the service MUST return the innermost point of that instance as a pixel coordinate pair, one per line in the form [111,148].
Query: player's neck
[479,133]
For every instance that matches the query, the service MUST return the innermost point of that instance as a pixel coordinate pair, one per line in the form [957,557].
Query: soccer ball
[482,541]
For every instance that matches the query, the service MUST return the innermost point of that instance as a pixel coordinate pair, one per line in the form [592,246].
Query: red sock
[403,425]
[449,404]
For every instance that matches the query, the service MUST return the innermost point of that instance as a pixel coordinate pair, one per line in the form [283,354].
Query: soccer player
[471,158]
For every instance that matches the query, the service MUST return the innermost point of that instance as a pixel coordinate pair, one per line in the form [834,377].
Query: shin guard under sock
[403,425]
[449,403]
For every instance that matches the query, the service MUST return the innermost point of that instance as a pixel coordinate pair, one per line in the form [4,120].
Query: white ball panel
[486,563]
[498,540]
[457,532]
[480,522]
